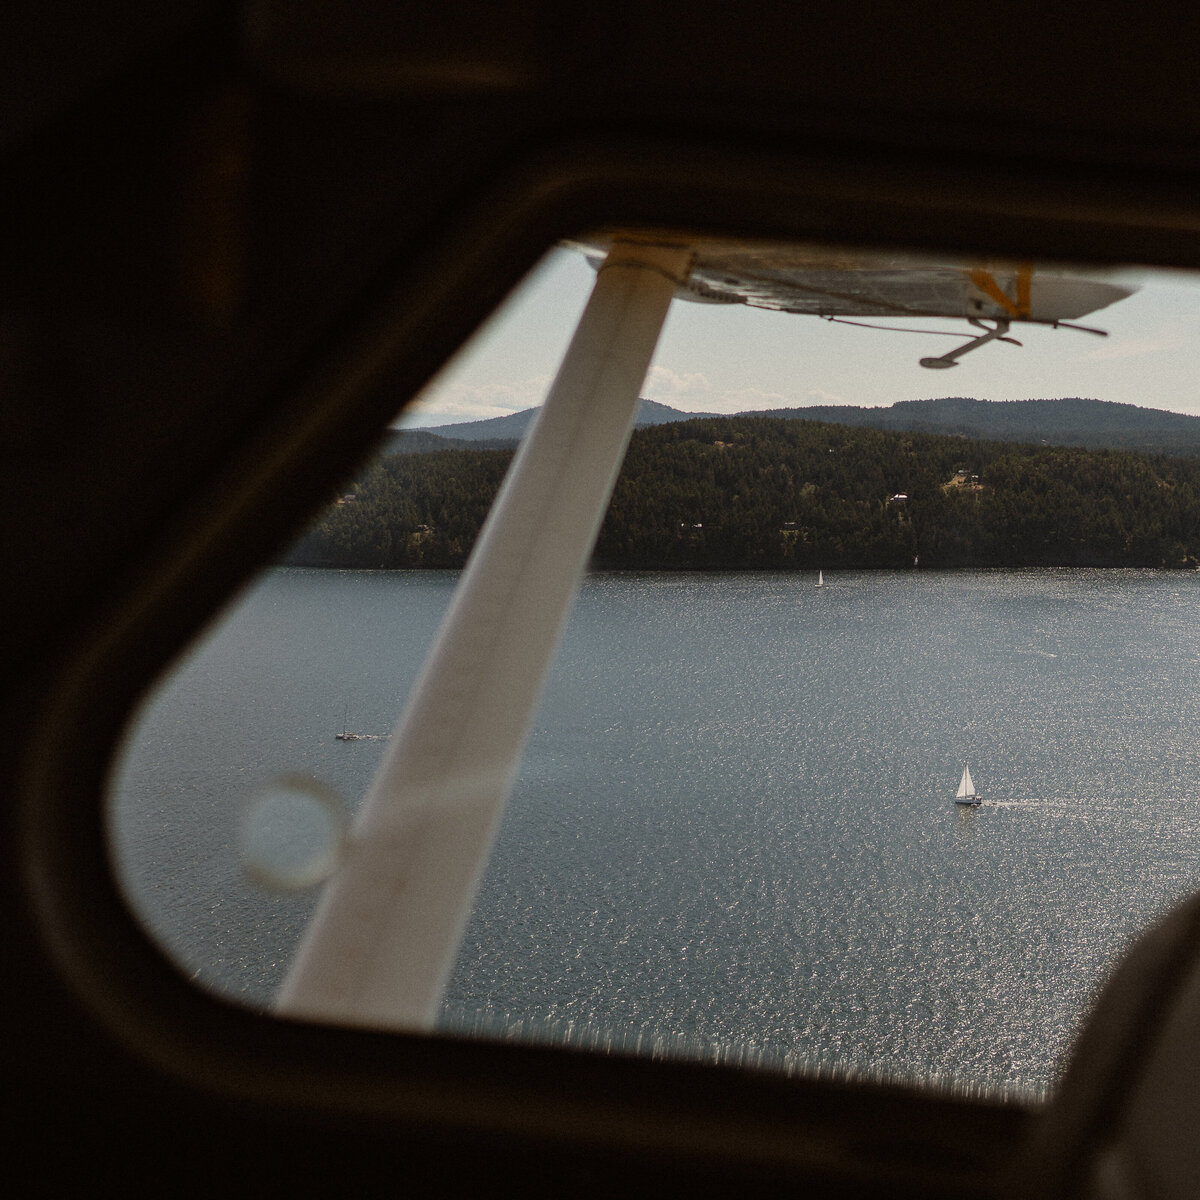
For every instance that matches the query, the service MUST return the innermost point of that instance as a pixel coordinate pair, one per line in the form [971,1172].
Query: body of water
[734,832]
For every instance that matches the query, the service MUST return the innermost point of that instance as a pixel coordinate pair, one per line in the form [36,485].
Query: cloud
[821,396]
[452,402]
[664,384]
[692,390]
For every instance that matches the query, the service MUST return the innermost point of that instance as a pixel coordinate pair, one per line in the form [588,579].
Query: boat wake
[1086,807]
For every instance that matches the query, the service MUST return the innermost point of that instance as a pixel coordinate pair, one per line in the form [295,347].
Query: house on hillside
[964,480]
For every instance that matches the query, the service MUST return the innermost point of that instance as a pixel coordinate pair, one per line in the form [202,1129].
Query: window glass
[735,834]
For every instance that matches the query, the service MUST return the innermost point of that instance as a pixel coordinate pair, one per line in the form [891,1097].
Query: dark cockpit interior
[237,236]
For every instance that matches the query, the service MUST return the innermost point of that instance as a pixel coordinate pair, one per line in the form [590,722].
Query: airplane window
[870,742]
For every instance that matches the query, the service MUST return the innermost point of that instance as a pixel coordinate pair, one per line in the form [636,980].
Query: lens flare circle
[292,833]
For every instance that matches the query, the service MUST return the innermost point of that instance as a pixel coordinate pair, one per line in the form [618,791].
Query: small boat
[346,735]
[966,790]
[820,579]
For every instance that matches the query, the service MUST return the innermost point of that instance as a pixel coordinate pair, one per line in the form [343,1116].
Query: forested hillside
[756,492]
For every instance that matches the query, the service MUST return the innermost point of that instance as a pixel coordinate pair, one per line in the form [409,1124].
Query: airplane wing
[820,282]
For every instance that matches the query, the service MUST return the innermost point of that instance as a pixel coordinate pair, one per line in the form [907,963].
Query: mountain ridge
[1062,421]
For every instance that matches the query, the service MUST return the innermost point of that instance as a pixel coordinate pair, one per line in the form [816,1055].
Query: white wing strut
[385,934]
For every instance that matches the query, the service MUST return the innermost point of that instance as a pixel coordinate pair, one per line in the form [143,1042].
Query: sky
[730,358]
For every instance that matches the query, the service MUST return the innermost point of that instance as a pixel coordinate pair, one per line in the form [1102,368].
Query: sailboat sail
[820,579]
[966,789]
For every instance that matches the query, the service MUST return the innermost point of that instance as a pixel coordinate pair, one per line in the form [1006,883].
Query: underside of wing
[804,279]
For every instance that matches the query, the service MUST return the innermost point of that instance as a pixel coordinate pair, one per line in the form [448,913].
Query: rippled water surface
[734,831]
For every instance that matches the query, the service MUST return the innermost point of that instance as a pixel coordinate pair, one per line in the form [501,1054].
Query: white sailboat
[966,790]
[820,579]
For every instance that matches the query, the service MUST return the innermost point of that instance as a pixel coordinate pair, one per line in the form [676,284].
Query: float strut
[989,335]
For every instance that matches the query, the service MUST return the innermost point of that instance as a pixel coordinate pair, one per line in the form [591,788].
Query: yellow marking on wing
[986,283]
[1024,285]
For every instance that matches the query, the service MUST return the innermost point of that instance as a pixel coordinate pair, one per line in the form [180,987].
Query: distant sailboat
[820,579]
[966,790]
[346,735]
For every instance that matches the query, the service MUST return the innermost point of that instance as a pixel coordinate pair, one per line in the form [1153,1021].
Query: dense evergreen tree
[757,492]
